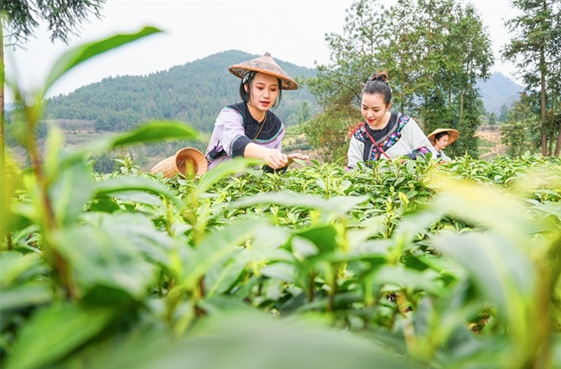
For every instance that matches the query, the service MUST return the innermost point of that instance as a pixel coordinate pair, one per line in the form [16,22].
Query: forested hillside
[193,93]
[498,91]
[196,91]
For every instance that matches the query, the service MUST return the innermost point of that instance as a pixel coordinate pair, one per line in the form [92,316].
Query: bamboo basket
[187,160]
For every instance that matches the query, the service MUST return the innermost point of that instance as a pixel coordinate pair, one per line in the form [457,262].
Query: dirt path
[494,136]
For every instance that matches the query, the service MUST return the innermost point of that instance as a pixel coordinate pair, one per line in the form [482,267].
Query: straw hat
[188,159]
[264,64]
[453,135]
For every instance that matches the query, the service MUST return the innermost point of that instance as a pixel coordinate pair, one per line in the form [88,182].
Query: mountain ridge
[498,91]
[196,91]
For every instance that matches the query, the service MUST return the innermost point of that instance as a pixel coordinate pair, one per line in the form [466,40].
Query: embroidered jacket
[235,128]
[402,136]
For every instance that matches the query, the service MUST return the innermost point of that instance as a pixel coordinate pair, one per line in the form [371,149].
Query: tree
[104,164]
[402,54]
[337,86]
[18,19]
[535,50]
[516,132]
[514,135]
[492,119]
[503,116]
[456,53]
[304,112]
[434,52]
[328,132]
[353,56]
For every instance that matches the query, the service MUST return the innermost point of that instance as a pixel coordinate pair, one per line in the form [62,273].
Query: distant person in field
[440,138]
[249,128]
[384,134]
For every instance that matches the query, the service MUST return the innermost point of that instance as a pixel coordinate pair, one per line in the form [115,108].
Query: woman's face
[441,143]
[374,109]
[264,91]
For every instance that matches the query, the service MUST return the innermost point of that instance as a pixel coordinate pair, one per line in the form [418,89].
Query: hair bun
[382,76]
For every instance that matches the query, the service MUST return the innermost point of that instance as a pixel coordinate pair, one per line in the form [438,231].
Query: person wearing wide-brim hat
[442,137]
[249,128]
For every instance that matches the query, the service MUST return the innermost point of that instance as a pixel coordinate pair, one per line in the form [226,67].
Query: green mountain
[194,93]
[497,91]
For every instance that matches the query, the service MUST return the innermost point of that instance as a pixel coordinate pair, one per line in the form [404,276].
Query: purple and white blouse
[235,128]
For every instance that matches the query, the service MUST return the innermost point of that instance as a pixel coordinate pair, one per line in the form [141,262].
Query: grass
[485,143]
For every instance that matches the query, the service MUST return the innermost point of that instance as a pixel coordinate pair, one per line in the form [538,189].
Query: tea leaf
[55,332]
[100,257]
[24,295]
[15,266]
[149,132]
[251,341]
[11,180]
[236,166]
[504,274]
[338,205]
[71,190]
[126,184]
[80,54]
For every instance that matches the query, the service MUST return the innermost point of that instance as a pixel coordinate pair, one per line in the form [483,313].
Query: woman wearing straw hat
[440,138]
[249,128]
[384,134]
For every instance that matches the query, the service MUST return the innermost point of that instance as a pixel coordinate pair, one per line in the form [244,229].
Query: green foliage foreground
[407,265]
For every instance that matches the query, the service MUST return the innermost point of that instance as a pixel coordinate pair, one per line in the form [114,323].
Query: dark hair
[247,80]
[378,84]
[439,135]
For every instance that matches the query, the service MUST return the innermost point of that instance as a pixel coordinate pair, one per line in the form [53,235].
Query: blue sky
[293,31]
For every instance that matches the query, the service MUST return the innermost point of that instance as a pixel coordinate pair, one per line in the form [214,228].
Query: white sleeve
[416,138]
[354,155]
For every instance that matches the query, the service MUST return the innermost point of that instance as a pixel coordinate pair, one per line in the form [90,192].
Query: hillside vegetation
[196,91]
[193,93]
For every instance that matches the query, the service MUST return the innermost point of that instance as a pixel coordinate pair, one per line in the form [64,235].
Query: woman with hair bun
[384,134]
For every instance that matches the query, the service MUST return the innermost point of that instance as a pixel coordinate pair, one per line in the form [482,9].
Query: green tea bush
[405,265]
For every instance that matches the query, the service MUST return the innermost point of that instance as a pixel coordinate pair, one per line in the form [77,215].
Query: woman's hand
[296,155]
[274,158]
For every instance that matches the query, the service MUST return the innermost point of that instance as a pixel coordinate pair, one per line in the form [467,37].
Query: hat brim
[264,64]
[453,135]
[286,84]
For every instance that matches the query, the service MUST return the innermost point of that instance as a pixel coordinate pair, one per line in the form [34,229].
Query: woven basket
[187,160]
